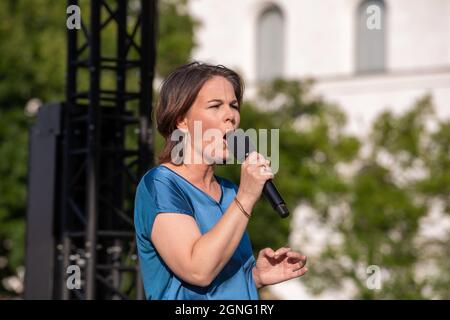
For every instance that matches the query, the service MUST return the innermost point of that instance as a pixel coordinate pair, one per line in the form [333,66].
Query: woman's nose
[230,114]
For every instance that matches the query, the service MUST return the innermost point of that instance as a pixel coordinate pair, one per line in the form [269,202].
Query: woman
[190,223]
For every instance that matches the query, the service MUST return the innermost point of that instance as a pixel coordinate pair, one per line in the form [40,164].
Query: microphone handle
[272,195]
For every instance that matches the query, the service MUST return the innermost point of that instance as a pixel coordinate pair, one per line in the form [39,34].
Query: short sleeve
[168,198]
[155,196]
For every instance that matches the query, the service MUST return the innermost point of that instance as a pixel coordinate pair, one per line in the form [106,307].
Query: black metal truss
[106,147]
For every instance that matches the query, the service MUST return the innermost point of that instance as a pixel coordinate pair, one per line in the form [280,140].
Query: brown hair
[179,91]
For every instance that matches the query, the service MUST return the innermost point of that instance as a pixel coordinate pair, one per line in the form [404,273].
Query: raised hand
[277,266]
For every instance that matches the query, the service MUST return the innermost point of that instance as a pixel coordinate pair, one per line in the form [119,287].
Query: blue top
[163,190]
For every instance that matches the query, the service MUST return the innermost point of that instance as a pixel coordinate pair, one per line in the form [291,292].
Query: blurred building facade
[365,55]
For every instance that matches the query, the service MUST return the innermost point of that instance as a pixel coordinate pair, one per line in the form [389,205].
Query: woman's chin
[222,157]
[217,160]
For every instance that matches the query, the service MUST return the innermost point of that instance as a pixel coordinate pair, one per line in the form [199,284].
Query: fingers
[252,178]
[276,254]
[268,252]
[295,257]
[258,166]
[299,273]
[257,159]
[265,168]
[254,158]
[281,251]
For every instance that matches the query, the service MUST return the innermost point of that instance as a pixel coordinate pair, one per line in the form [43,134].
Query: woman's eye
[215,106]
[235,107]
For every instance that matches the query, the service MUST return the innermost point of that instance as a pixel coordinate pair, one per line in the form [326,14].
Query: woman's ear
[182,125]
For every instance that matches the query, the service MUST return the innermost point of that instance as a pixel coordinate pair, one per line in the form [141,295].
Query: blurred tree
[405,173]
[32,36]
[175,35]
[32,64]
[13,169]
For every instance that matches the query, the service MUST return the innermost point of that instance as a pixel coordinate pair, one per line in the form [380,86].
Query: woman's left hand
[277,266]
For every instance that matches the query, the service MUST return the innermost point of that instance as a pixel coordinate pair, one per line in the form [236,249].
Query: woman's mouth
[225,140]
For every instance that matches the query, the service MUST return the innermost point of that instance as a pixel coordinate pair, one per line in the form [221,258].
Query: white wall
[418,34]
[320,43]
[363,98]
[320,34]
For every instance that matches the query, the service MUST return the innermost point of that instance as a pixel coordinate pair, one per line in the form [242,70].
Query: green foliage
[175,35]
[13,169]
[33,64]
[32,33]
[395,187]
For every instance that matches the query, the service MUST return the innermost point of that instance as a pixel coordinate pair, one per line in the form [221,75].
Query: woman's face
[215,112]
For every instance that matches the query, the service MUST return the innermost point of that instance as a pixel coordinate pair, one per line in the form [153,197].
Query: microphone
[240,146]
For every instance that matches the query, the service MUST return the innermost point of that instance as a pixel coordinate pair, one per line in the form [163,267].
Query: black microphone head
[239,144]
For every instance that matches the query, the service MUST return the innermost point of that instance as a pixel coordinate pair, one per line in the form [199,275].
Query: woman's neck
[198,174]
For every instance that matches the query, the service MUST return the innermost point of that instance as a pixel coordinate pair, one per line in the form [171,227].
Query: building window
[270,44]
[370,46]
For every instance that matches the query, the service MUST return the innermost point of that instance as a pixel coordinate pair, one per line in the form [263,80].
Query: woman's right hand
[255,171]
